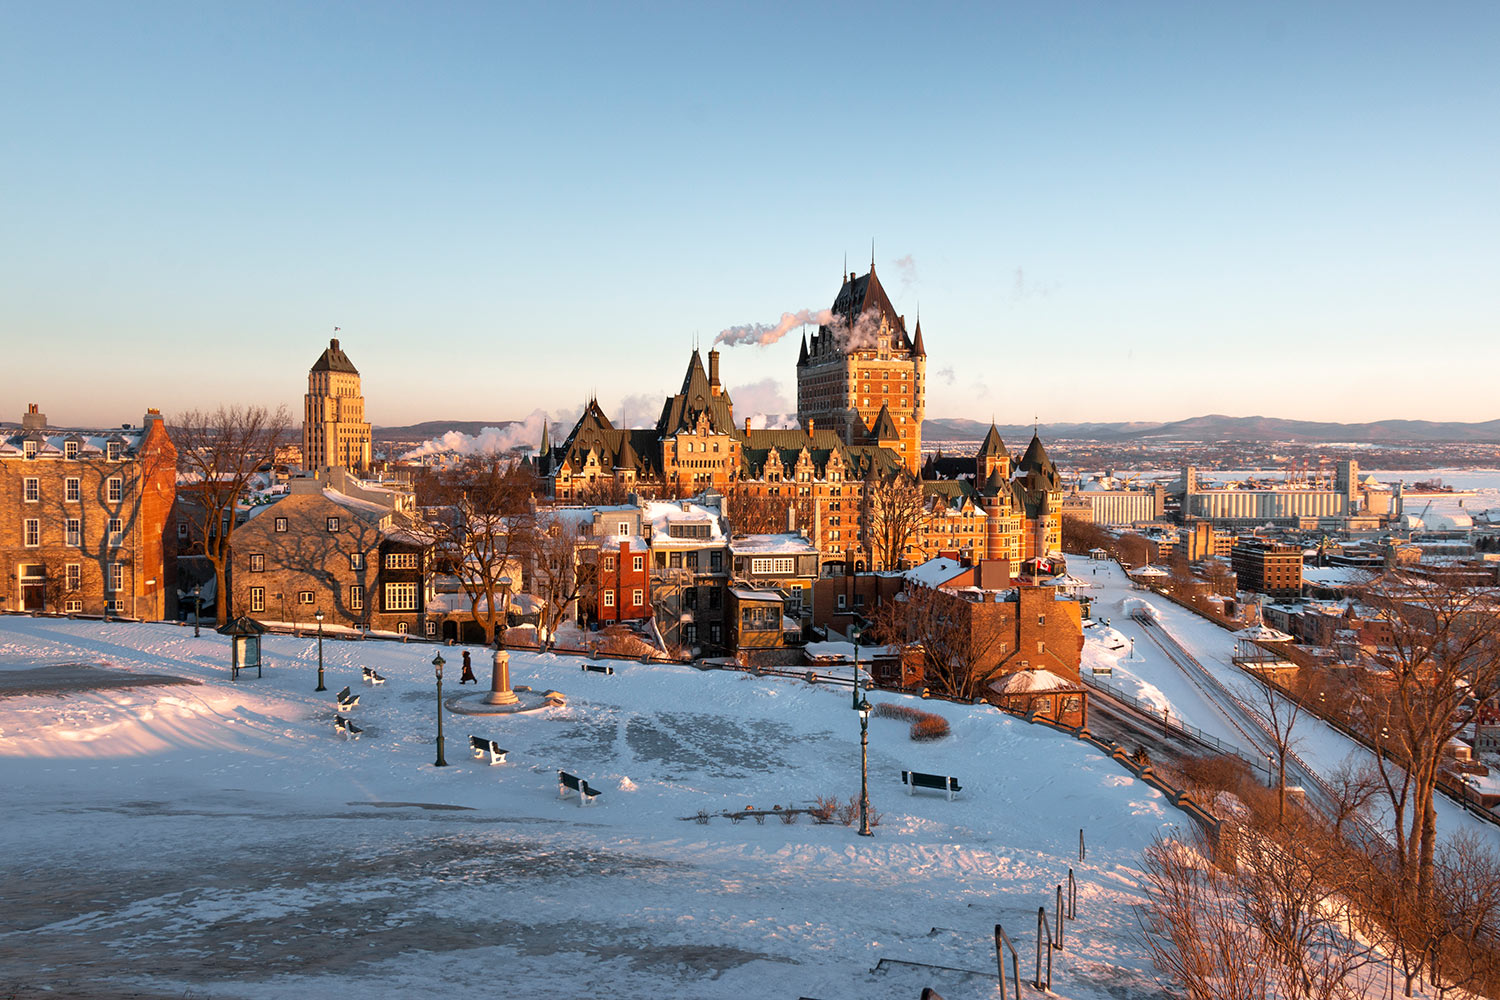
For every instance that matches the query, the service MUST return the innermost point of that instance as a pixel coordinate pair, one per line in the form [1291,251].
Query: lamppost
[854,633]
[318,614]
[504,614]
[864,768]
[437,666]
[1132,649]
[197,609]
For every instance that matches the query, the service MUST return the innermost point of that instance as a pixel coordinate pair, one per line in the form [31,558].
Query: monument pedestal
[500,692]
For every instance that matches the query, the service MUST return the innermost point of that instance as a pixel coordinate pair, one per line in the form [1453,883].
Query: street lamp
[197,609]
[854,633]
[1132,649]
[437,667]
[864,767]
[318,614]
[504,614]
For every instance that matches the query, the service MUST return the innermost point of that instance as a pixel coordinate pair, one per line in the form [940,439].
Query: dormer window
[112,451]
[28,449]
[70,449]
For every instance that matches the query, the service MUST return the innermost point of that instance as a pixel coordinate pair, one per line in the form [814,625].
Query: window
[715,596]
[402,628]
[690,632]
[116,577]
[281,524]
[32,489]
[116,530]
[775,567]
[716,561]
[638,563]
[609,598]
[71,489]
[112,451]
[114,489]
[430,628]
[75,576]
[257,562]
[118,607]
[356,598]
[715,633]
[257,598]
[75,532]
[182,529]
[623,529]
[841,602]
[28,449]
[400,560]
[637,597]
[401,597]
[356,560]
[304,597]
[333,524]
[73,606]
[33,532]
[609,564]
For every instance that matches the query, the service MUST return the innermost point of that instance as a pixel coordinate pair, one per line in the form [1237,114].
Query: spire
[802,356]
[918,350]
[992,444]
[545,447]
[627,457]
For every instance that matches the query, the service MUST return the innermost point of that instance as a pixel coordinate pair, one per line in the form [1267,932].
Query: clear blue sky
[1108,211]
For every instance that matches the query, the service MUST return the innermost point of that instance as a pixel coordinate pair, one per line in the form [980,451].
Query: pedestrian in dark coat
[468,675]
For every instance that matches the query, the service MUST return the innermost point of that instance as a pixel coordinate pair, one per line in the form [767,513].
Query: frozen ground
[219,840]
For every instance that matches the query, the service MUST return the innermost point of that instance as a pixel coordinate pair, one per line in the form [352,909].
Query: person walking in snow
[468,675]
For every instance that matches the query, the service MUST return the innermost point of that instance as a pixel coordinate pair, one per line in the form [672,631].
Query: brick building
[860,401]
[1267,567]
[689,573]
[86,519]
[624,587]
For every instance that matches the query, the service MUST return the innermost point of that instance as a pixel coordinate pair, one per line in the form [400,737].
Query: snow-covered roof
[751,594]
[1027,681]
[1261,632]
[785,544]
[1151,571]
[935,572]
[1334,576]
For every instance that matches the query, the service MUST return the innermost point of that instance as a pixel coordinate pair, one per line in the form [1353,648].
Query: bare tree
[1444,650]
[959,641]
[1280,715]
[755,511]
[560,576]
[218,455]
[894,509]
[492,536]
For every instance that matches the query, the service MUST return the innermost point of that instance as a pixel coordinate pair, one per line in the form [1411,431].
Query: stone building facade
[86,519]
[334,430]
[320,549]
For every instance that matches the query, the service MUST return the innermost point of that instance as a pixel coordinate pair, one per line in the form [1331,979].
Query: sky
[1103,211]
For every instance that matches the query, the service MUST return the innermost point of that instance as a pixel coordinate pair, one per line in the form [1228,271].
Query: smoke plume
[489,441]
[768,333]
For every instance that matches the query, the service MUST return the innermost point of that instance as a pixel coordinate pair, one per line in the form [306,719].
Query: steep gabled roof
[917,348]
[859,295]
[885,427]
[334,360]
[992,446]
[1036,463]
[679,413]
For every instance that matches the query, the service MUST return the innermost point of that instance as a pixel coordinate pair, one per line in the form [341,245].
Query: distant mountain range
[1217,427]
[1213,427]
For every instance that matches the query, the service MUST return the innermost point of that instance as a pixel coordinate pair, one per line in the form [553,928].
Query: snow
[1027,681]
[221,840]
[785,543]
[935,572]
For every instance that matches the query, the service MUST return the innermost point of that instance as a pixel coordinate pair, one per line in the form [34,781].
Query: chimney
[333,344]
[791,518]
[810,423]
[713,372]
[34,419]
[747,426]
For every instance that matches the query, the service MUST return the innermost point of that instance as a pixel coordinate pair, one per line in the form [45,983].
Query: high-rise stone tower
[861,363]
[334,431]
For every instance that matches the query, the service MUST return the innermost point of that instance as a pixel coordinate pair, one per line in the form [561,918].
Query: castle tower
[334,431]
[863,362]
[992,456]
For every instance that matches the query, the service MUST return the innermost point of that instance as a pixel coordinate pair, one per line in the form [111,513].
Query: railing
[1168,723]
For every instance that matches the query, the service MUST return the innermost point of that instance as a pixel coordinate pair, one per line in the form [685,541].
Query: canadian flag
[1043,566]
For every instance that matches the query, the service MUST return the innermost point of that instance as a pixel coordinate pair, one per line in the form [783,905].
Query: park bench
[597,668]
[572,783]
[347,699]
[371,677]
[345,728]
[937,782]
[482,746]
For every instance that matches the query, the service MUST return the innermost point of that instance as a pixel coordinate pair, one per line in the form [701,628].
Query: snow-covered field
[219,840]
